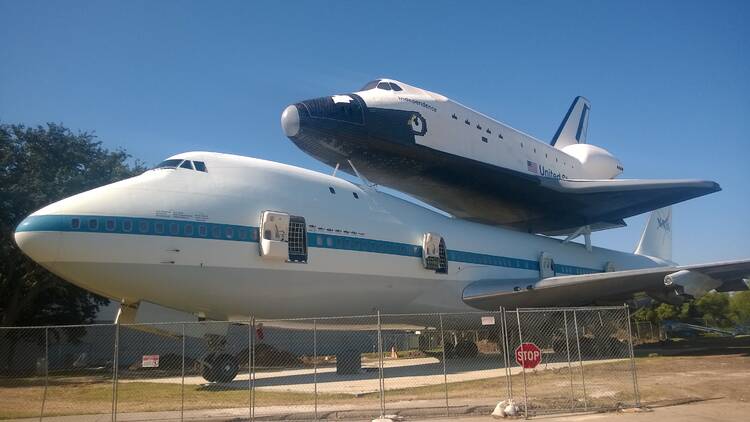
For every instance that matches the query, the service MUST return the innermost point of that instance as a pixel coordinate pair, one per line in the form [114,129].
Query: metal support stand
[115,364]
[570,366]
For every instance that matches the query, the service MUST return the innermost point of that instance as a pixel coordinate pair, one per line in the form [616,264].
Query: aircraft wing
[617,199]
[576,290]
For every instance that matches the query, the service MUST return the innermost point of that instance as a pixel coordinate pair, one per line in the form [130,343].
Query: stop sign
[528,355]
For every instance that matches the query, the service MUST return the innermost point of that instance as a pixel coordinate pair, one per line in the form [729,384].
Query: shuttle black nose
[290,121]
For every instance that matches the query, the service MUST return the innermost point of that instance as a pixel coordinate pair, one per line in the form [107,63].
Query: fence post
[506,352]
[315,365]
[115,364]
[380,367]
[445,371]
[182,384]
[523,368]
[580,361]
[46,371]
[251,367]
[570,365]
[632,359]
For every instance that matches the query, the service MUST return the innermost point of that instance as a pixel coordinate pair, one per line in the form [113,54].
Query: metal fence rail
[359,367]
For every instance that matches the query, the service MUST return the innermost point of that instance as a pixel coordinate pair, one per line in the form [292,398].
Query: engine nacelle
[597,162]
[691,283]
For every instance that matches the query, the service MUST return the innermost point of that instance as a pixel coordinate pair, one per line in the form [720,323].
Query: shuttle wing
[576,290]
[609,201]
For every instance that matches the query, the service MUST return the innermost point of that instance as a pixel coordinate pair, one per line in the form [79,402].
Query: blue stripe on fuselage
[237,233]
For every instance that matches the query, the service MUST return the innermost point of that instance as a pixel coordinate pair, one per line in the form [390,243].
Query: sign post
[528,355]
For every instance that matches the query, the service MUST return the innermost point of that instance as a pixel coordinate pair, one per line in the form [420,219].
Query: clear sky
[669,81]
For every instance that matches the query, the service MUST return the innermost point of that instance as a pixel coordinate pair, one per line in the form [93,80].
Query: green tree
[715,309]
[39,166]
[739,307]
[666,312]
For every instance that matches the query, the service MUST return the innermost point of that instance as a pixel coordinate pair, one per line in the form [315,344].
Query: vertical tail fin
[574,126]
[656,240]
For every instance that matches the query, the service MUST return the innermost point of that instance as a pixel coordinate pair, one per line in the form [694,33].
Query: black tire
[225,368]
[207,367]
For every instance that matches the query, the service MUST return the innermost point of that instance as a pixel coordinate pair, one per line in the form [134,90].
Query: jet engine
[691,283]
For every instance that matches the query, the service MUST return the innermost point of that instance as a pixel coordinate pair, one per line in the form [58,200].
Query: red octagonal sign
[528,355]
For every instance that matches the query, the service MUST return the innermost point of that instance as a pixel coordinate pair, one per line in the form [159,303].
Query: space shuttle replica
[474,167]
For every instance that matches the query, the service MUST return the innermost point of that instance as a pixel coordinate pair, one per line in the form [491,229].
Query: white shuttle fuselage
[189,240]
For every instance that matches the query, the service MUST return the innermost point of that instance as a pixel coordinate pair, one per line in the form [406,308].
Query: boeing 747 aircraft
[224,237]
[474,167]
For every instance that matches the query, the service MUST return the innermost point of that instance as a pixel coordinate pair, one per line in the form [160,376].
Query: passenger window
[242,234]
[75,223]
[332,190]
[174,229]
[110,224]
[188,229]
[93,224]
[229,232]
[484,139]
[395,87]
[143,226]
[384,86]
[187,165]
[127,226]
[216,232]
[202,230]
[355,195]
[159,227]
[200,166]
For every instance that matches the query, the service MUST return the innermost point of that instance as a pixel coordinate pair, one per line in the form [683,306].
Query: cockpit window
[370,85]
[200,166]
[185,164]
[395,87]
[384,85]
[168,164]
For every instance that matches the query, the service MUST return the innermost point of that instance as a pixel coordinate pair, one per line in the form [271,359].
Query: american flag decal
[532,166]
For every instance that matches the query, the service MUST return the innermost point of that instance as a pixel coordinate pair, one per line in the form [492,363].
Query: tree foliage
[38,166]
[717,309]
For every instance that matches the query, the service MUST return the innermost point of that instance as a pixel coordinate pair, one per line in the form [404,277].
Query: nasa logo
[663,223]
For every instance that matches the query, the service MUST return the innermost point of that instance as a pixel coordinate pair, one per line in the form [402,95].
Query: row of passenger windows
[185,164]
[160,227]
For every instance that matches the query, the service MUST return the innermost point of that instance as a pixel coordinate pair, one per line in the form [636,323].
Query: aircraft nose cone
[40,245]
[290,121]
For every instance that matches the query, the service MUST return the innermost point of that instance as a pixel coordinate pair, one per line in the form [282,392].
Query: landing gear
[220,367]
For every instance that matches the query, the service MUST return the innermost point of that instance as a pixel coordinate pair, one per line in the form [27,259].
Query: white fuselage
[363,252]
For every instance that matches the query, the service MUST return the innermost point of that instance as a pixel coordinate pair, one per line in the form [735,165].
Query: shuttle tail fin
[574,126]
[656,240]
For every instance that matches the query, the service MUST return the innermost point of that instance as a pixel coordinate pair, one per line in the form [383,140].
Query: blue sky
[669,81]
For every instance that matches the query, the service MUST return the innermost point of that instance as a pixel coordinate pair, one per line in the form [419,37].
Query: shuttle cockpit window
[395,87]
[370,85]
[384,85]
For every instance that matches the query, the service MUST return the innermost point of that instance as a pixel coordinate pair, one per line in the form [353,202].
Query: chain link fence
[544,360]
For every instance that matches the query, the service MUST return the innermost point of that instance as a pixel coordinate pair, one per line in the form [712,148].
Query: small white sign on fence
[150,361]
[488,320]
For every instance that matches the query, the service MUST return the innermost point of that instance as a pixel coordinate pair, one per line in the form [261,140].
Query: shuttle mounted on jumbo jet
[474,167]
[225,237]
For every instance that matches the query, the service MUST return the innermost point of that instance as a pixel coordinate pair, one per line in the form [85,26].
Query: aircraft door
[546,265]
